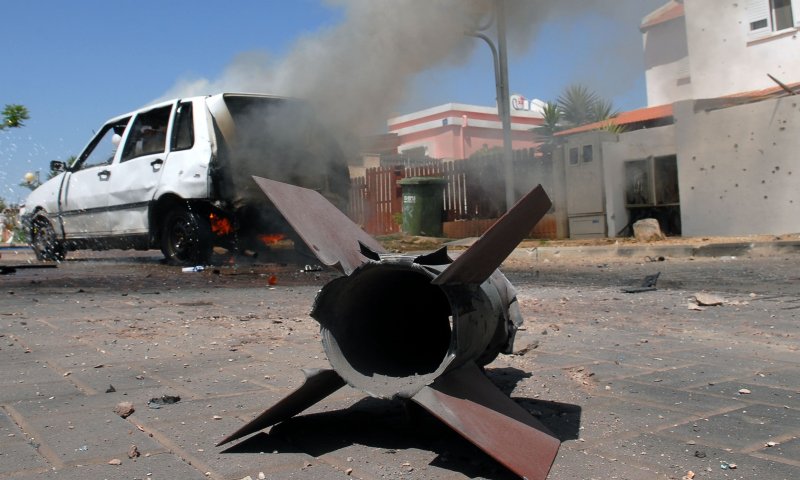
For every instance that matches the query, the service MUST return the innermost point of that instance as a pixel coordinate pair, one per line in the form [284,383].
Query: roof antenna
[782,85]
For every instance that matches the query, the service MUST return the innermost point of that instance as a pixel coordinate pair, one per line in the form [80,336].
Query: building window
[587,153]
[766,16]
[573,156]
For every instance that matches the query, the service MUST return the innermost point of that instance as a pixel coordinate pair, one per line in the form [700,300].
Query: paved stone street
[637,385]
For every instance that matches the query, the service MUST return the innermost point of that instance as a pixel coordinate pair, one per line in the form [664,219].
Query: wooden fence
[475,190]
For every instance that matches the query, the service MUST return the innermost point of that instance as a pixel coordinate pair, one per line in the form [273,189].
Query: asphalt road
[638,386]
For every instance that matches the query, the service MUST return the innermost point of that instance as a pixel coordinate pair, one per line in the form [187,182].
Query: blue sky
[75,64]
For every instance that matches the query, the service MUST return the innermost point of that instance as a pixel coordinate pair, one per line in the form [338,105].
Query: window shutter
[759,20]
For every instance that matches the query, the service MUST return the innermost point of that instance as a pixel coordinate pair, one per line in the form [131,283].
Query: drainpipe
[464,136]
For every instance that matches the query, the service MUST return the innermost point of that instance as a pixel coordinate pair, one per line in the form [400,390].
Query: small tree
[14,116]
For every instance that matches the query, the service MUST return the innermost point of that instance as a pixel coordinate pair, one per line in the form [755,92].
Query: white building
[713,48]
[716,152]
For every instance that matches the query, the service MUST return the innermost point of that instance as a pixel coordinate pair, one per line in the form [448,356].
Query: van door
[135,175]
[82,199]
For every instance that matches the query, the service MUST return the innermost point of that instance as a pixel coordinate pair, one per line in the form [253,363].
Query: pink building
[453,131]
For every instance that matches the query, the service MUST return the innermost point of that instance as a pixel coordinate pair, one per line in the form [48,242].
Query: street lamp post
[500,56]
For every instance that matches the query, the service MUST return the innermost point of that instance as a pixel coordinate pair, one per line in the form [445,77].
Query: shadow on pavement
[393,425]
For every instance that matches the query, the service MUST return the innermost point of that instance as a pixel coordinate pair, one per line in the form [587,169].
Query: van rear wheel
[186,238]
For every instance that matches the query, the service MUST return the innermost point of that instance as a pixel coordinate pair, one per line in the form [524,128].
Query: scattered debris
[689,475]
[158,402]
[124,409]
[197,268]
[272,281]
[115,461]
[133,452]
[648,284]
[654,259]
[312,268]
[525,346]
[727,466]
[700,453]
[111,389]
[744,391]
[694,306]
[708,300]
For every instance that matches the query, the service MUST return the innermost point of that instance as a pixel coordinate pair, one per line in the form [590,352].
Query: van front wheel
[44,240]
[186,238]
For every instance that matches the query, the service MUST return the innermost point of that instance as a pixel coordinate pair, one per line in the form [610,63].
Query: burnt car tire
[186,238]
[44,240]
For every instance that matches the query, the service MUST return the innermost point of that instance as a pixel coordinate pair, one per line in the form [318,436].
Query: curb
[736,249]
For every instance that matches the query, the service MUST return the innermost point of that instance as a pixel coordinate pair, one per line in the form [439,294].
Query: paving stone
[748,427]
[689,376]
[667,457]
[76,438]
[692,403]
[787,450]
[156,466]
[589,466]
[604,419]
[758,393]
[17,453]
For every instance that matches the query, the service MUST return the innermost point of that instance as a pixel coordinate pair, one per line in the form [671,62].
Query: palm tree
[14,116]
[580,106]
[552,120]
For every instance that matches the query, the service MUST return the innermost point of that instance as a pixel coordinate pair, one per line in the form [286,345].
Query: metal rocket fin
[319,384]
[474,407]
[330,234]
[479,261]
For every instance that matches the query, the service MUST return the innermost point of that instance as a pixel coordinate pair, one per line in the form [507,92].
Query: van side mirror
[57,166]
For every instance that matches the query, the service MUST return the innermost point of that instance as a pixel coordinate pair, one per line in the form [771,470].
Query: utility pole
[504,99]
[500,57]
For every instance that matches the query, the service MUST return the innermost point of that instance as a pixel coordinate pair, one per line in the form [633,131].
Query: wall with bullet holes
[739,166]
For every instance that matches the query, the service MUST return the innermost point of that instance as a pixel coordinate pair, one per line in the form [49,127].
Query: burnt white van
[178,176]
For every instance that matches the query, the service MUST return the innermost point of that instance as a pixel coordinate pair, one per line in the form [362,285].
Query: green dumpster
[423,204]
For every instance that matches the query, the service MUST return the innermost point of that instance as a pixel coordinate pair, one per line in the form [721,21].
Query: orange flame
[271,239]
[220,225]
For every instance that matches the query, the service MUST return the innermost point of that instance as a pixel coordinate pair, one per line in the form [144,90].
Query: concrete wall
[739,168]
[711,52]
[725,59]
[635,145]
[666,57]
